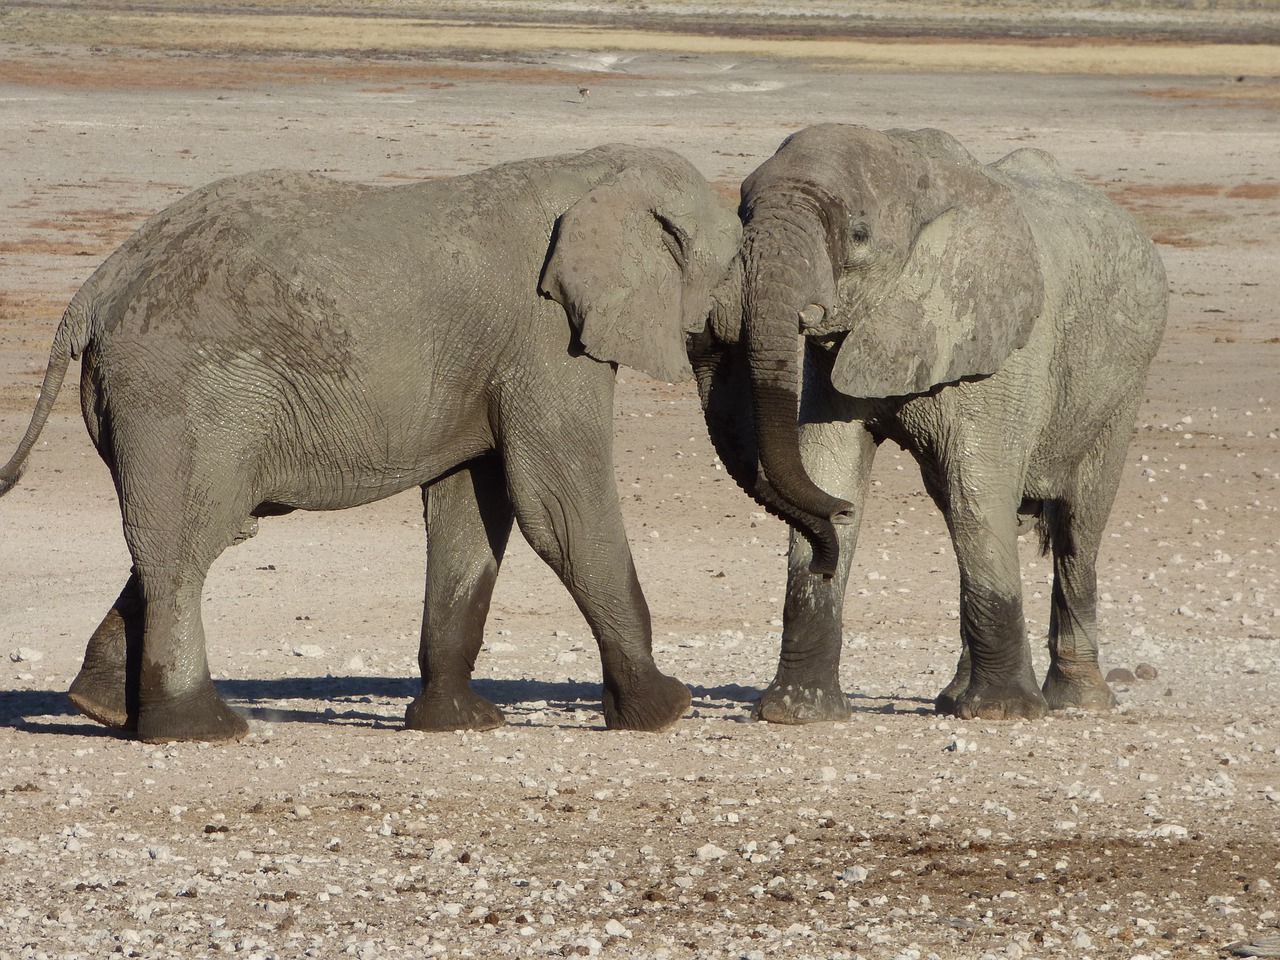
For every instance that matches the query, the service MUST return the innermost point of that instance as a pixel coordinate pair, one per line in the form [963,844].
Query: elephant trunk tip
[826,541]
[826,550]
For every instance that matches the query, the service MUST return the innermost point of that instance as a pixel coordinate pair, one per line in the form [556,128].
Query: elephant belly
[375,453]
[312,436]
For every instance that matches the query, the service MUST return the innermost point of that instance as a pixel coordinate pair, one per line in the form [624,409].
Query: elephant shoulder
[935,143]
[1029,162]
[1046,193]
[1049,194]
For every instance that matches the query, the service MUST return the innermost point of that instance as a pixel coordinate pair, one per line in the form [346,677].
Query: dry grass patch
[383,72]
[1255,191]
[1241,92]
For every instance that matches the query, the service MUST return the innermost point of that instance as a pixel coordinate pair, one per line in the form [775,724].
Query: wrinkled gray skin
[283,341]
[996,322]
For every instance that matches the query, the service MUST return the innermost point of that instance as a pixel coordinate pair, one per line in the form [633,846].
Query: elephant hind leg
[180,511]
[106,688]
[469,517]
[1074,678]
[1074,527]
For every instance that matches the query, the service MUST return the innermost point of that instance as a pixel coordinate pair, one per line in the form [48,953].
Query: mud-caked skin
[281,341]
[996,322]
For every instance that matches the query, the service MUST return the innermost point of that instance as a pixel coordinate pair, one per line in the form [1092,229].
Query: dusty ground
[1151,831]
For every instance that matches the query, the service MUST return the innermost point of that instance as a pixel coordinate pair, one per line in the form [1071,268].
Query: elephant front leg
[567,507]
[946,702]
[1001,681]
[468,516]
[806,688]
[106,688]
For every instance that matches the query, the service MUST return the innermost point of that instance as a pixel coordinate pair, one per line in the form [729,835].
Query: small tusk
[812,315]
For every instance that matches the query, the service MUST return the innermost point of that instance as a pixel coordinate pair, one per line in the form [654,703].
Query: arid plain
[1149,831]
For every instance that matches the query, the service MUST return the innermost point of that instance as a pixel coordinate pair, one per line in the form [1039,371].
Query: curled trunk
[750,400]
[774,295]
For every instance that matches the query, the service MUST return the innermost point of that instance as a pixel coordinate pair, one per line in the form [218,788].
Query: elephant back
[1088,244]
[1105,288]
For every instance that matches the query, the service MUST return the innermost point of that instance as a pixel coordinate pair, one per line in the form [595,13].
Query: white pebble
[854,874]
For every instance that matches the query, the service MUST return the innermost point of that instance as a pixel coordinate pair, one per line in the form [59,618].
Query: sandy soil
[1147,832]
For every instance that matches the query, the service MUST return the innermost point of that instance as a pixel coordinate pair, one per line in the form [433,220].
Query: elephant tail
[70,339]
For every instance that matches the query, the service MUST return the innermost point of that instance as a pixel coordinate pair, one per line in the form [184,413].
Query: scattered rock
[1267,945]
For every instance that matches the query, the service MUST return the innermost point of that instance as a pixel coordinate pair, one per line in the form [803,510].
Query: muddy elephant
[281,341]
[996,322]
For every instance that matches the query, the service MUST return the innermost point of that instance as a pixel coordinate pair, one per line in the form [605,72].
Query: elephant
[281,340]
[996,322]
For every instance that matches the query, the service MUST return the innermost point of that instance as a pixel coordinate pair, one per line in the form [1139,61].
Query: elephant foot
[992,701]
[1082,687]
[202,715]
[657,703]
[794,703]
[464,710]
[101,690]
[106,688]
[948,699]
[100,697]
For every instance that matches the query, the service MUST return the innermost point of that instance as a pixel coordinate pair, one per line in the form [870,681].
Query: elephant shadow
[343,700]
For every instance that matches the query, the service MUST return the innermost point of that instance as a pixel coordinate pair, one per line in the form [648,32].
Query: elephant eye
[857,247]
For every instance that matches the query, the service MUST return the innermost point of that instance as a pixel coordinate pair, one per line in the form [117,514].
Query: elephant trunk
[775,294]
[719,360]
[721,372]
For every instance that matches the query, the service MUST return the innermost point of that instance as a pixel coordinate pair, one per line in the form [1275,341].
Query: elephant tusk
[812,315]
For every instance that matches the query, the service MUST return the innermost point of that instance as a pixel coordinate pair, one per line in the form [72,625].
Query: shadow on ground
[343,700]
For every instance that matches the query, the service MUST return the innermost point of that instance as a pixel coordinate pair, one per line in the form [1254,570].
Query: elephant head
[896,251]
[635,261]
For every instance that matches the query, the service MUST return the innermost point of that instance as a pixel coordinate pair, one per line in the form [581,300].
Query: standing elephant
[996,322]
[282,341]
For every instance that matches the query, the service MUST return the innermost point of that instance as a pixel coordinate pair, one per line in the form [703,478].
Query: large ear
[634,263]
[966,298]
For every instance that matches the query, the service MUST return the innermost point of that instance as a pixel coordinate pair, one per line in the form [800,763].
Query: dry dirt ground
[1152,831]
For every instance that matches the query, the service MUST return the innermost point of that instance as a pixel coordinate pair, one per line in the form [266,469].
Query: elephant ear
[967,296]
[634,263]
